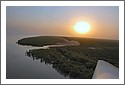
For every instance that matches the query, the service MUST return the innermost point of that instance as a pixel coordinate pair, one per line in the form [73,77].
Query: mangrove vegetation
[76,61]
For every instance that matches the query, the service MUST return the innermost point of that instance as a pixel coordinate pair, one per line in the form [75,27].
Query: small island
[74,57]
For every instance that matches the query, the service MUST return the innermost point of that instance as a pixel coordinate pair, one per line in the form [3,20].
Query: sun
[82,27]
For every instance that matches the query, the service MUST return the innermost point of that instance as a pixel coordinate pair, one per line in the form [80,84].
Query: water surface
[19,66]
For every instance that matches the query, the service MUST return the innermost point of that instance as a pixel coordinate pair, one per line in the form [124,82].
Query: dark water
[19,66]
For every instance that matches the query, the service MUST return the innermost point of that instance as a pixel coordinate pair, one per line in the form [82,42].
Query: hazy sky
[59,20]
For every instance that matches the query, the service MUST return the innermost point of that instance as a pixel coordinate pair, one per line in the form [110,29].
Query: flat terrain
[75,61]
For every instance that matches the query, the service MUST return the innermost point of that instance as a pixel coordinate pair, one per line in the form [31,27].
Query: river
[20,66]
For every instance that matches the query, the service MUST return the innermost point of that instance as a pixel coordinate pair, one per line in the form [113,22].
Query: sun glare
[82,27]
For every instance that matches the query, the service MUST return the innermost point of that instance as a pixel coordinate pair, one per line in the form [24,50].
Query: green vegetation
[40,40]
[74,61]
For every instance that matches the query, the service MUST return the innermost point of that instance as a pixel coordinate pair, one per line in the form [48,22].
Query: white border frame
[62,3]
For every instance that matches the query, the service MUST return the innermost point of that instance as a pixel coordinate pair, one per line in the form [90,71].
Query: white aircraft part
[105,70]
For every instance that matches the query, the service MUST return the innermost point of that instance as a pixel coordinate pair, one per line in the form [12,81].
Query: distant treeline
[40,40]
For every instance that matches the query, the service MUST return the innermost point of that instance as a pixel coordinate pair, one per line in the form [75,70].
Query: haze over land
[73,57]
[61,39]
[60,20]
